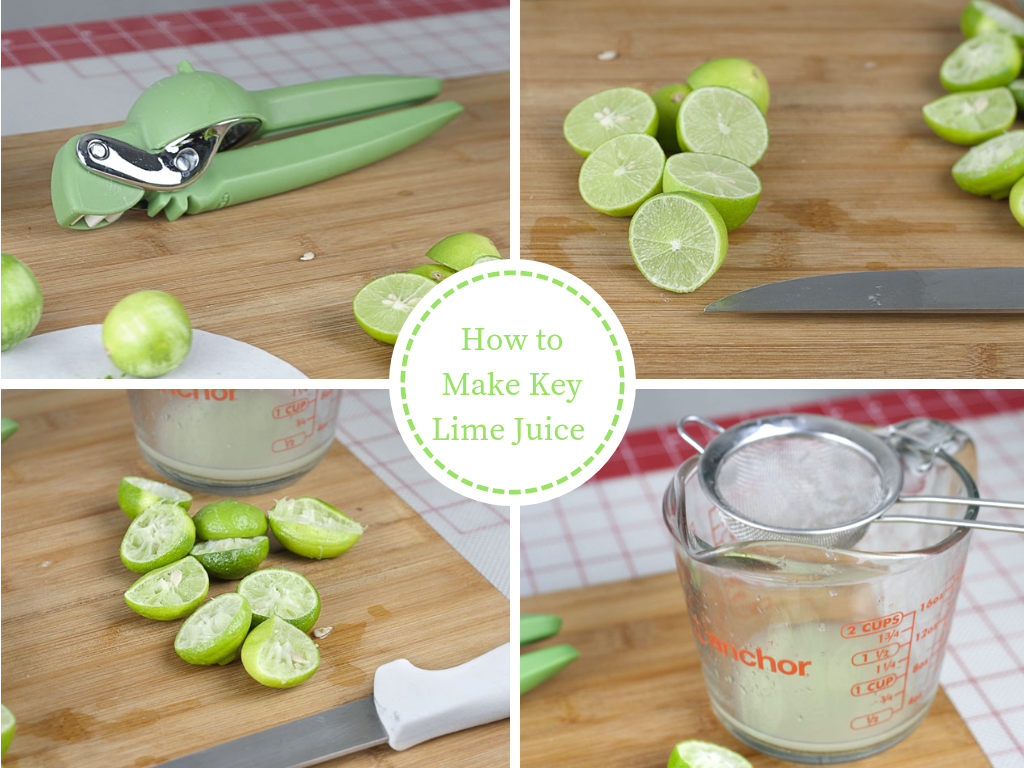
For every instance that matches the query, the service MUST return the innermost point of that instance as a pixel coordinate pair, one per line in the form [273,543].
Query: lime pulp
[620,174]
[678,241]
[992,168]
[702,754]
[608,114]
[160,535]
[283,593]
[721,121]
[231,558]
[727,184]
[313,528]
[137,494]
[169,592]
[382,306]
[971,117]
[986,61]
[228,519]
[215,632]
[278,655]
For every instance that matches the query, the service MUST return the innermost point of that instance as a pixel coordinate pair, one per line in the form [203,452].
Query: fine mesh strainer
[814,479]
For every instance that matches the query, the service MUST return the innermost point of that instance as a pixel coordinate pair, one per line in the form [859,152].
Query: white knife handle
[416,705]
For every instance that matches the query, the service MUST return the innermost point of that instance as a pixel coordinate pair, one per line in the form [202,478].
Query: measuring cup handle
[687,420]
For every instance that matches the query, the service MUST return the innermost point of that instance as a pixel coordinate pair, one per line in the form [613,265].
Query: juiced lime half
[993,167]
[1017,89]
[702,754]
[215,632]
[382,307]
[160,535]
[278,655]
[981,16]
[722,121]
[283,593]
[739,74]
[1017,201]
[20,299]
[229,519]
[608,114]
[169,592]
[727,184]
[232,558]
[622,173]
[463,250]
[7,725]
[971,117]
[668,100]
[678,241]
[313,528]
[986,61]
[137,494]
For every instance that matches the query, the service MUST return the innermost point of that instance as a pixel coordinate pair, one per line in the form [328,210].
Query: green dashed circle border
[586,462]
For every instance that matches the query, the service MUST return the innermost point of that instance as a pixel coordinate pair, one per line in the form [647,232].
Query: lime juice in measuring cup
[234,441]
[820,655]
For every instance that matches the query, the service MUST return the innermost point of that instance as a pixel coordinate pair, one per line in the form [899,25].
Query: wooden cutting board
[637,690]
[237,271]
[853,180]
[94,684]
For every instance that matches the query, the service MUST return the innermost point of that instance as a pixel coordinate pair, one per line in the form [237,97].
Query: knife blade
[409,706]
[981,290]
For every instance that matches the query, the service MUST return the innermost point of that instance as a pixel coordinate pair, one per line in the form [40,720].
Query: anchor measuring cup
[234,441]
[819,655]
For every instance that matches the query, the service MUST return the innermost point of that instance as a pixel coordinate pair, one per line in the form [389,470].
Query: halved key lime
[229,519]
[232,558]
[215,632]
[435,272]
[971,117]
[137,494]
[727,184]
[722,121]
[608,114]
[668,100]
[702,754]
[985,61]
[7,726]
[463,250]
[622,173]
[981,16]
[678,241]
[739,74]
[1017,201]
[160,535]
[1017,89]
[278,655]
[382,307]
[313,528]
[993,167]
[283,593]
[169,592]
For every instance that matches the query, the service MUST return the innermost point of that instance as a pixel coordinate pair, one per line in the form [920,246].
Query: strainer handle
[686,420]
[987,525]
[962,501]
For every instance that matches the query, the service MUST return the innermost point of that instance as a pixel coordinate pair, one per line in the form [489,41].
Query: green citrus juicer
[537,666]
[171,154]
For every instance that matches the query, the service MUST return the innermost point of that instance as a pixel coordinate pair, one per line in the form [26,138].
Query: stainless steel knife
[981,290]
[409,706]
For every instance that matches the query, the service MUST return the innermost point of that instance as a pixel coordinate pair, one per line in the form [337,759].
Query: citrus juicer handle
[307,105]
[262,170]
[415,705]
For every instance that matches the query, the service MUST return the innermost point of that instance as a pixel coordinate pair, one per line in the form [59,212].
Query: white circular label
[512,382]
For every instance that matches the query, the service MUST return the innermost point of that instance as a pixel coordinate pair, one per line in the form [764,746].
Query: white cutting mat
[611,529]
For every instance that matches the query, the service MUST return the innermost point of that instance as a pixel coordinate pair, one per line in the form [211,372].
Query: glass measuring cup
[234,441]
[816,655]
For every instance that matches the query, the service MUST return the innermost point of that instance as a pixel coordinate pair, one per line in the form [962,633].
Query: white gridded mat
[611,529]
[479,532]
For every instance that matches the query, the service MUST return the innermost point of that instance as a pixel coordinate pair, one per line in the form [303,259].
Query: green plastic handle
[279,166]
[306,105]
[537,666]
[537,626]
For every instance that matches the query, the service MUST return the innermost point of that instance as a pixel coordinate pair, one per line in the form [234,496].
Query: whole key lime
[22,301]
[147,334]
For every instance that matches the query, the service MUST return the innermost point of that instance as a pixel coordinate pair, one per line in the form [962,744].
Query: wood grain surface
[94,684]
[237,271]
[853,180]
[637,690]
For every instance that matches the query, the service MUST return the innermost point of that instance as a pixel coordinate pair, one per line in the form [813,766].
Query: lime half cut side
[622,173]
[678,241]
[992,168]
[137,494]
[971,117]
[382,306]
[7,726]
[215,632]
[169,592]
[232,558]
[985,61]
[608,114]
[981,16]
[278,655]
[283,593]
[727,184]
[313,528]
[721,121]
[703,754]
[160,535]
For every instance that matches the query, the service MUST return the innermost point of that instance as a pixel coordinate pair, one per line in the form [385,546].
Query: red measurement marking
[287,443]
[875,718]
[293,408]
[216,395]
[874,686]
[871,626]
